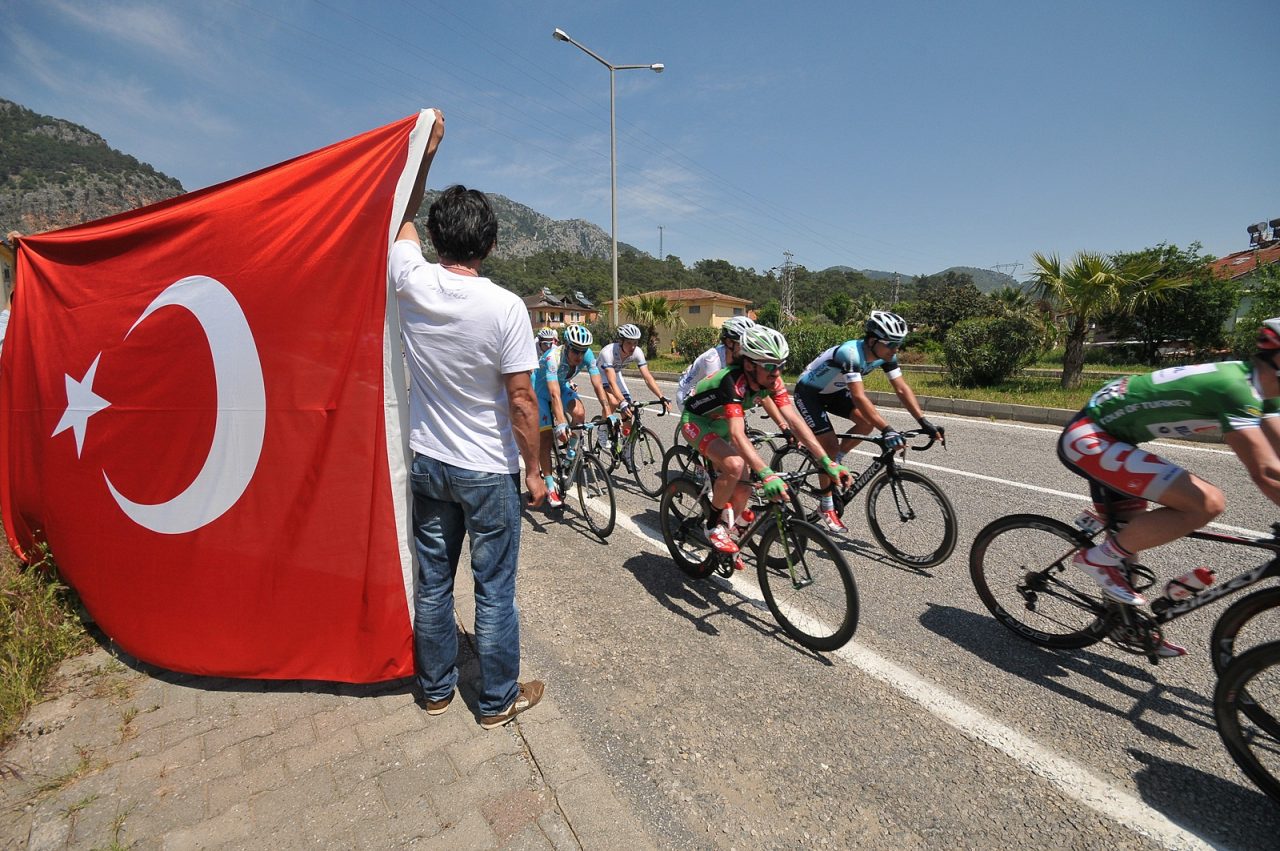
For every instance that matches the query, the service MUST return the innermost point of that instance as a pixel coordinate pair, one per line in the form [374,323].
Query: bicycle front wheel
[1252,680]
[595,497]
[911,518]
[1246,624]
[646,462]
[807,584]
[683,516]
[1021,568]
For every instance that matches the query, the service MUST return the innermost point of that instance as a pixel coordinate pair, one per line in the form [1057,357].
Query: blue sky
[899,136]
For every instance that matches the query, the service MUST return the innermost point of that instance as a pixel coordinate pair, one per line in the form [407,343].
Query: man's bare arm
[407,230]
[523,405]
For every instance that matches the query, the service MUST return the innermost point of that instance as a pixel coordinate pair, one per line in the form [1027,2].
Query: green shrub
[38,629]
[987,350]
[691,342]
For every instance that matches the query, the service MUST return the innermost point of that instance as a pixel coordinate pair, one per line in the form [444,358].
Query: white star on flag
[82,403]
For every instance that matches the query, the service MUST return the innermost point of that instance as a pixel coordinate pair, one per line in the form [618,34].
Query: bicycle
[1250,686]
[1021,567]
[576,464]
[804,577]
[917,527]
[637,447]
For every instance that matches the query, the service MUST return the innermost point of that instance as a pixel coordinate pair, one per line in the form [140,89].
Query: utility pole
[661,256]
[788,288]
[895,289]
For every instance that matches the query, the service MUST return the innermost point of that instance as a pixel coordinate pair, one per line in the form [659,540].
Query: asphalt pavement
[678,715]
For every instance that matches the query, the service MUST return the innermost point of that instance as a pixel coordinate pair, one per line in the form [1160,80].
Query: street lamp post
[657,68]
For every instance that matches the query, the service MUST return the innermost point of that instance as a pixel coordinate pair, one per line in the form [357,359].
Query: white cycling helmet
[628,332]
[887,326]
[764,345]
[577,336]
[734,326]
[548,335]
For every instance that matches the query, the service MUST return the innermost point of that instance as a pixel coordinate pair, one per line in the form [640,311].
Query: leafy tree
[1264,303]
[1195,313]
[691,342]
[651,312]
[838,308]
[943,300]
[1017,302]
[1091,288]
[986,350]
[770,314]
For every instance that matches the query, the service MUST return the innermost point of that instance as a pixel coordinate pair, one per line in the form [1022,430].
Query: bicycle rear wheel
[796,459]
[1252,680]
[646,462]
[594,484]
[683,515]
[1021,568]
[807,584]
[911,518]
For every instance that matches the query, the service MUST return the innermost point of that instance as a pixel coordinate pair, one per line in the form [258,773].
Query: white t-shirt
[462,334]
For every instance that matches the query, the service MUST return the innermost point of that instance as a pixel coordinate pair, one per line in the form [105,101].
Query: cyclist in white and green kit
[1234,398]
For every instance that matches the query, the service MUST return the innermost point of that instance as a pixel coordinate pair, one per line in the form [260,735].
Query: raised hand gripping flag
[199,414]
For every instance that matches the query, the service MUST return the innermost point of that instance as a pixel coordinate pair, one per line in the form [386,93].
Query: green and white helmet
[764,345]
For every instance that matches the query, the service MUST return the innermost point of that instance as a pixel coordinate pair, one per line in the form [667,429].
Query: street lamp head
[560,35]
[657,67]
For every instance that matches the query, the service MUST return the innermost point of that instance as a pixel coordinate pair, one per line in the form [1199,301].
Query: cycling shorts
[1118,472]
[815,406]
[546,421]
[701,432]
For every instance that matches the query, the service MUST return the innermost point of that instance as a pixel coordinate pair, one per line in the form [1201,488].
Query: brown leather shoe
[530,694]
[437,707]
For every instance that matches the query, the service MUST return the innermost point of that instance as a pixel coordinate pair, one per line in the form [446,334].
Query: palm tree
[1093,287]
[1017,302]
[651,312]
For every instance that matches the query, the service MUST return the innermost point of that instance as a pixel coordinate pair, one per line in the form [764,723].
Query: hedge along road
[935,726]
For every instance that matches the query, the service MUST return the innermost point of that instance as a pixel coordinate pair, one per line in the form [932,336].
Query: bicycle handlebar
[906,435]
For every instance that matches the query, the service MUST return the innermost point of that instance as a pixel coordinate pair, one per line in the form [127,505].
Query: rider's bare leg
[1187,504]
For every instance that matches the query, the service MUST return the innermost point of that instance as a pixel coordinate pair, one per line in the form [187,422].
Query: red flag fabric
[193,418]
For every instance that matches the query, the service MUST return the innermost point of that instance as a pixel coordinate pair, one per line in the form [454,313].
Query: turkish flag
[199,415]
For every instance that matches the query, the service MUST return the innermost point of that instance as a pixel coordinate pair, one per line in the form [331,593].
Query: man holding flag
[473,415]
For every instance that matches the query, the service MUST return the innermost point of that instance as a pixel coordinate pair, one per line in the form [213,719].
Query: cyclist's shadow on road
[707,603]
[1200,801]
[1053,670]
[871,551]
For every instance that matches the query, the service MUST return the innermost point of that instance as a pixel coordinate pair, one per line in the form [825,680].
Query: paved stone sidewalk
[131,756]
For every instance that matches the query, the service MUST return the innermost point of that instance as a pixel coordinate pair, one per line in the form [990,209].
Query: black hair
[462,225]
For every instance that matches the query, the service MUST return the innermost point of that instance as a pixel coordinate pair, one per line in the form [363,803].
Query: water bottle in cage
[1189,584]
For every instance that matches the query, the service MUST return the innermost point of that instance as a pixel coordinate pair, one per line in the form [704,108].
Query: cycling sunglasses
[768,367]
[579,349]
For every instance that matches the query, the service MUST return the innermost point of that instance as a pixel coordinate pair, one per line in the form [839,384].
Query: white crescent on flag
[242,411]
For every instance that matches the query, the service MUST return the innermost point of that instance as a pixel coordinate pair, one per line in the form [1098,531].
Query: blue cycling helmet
[577,336]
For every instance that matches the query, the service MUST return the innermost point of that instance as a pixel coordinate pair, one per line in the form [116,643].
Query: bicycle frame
[1166,610]
[887,460]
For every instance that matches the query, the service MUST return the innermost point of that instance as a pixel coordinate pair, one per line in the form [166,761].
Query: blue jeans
[448,501]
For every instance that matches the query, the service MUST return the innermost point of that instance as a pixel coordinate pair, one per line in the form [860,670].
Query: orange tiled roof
[1244,262]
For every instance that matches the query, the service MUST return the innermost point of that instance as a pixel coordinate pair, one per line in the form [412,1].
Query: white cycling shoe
[1111,580]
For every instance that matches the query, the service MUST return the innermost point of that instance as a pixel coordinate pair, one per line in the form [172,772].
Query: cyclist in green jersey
[713,423]
[1234,398]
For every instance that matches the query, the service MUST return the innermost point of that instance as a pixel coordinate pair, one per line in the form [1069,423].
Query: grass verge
[38,629]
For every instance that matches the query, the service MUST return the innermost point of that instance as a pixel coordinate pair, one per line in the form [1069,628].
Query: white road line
[1069,777]
[1234,530]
